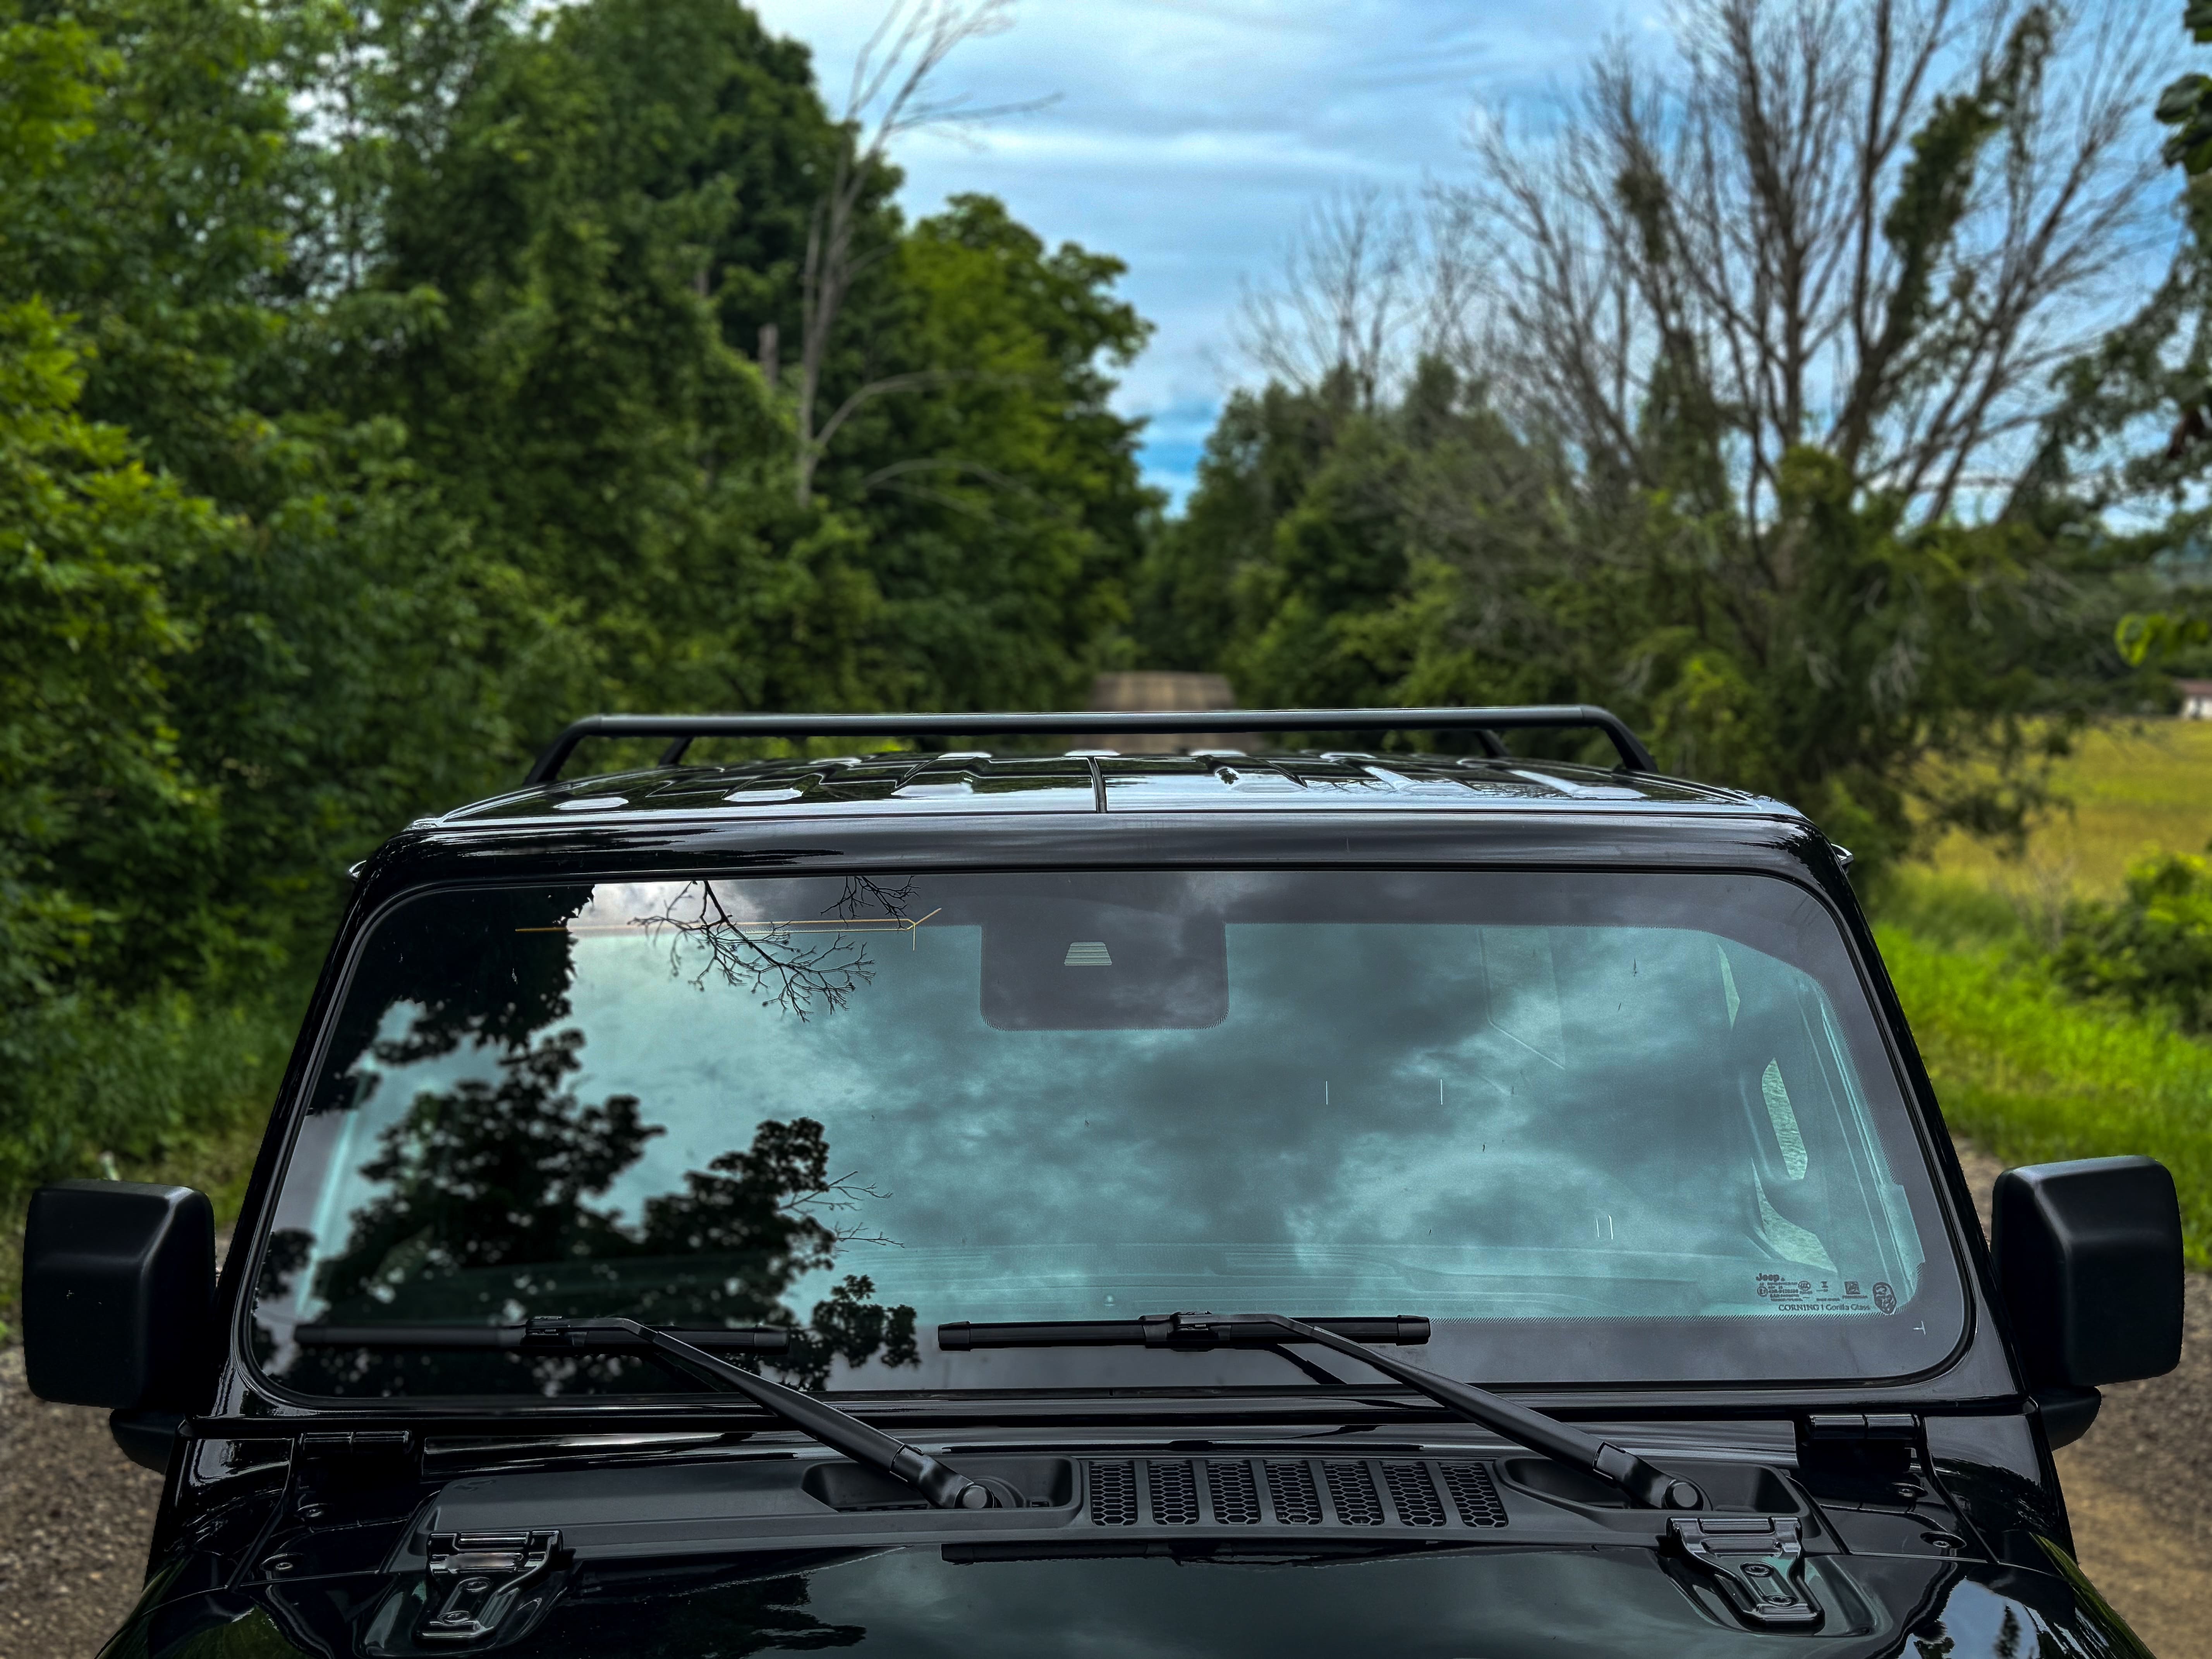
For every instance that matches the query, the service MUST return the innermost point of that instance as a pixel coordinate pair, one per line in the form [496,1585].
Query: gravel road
[2139,1484]
[75,1515]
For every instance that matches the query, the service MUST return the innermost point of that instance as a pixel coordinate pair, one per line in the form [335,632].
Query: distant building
[2195,699]
[1160,690]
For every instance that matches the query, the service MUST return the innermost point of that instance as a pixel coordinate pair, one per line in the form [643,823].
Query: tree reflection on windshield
[788,963]
[486,1215]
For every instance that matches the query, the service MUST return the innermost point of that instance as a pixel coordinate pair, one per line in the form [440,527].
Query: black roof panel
[907,784]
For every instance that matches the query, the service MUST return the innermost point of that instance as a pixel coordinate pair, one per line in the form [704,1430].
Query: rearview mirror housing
[118,1284]
[2089,1257]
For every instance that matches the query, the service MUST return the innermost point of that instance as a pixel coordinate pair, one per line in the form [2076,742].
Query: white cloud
[1187,137]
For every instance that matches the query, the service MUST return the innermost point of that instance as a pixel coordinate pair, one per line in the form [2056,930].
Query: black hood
[1469,1602]
[1141,1551]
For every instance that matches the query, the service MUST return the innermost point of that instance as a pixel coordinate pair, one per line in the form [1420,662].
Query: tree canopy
[379,390]
[1746,396]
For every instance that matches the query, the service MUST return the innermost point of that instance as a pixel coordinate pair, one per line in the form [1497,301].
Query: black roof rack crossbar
[682,730]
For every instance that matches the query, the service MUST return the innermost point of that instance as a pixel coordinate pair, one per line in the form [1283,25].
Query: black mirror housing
[2088,1256]
[119,1287]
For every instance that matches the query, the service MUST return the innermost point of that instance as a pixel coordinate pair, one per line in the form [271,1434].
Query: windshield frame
[1767,857]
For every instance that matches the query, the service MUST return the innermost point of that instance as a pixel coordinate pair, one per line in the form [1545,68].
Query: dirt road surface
[75,1515]
[2139,1484]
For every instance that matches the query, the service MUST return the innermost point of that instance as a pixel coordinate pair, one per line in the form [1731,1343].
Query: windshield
[1598,1128]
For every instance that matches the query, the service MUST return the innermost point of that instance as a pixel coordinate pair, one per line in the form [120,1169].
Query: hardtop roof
[911,784]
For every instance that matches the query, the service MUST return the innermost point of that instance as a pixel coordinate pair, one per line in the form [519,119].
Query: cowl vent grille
[1413,1494]
[1474,1495]
[1216,1493]
[1296,1499]
[1174,1495]
[1235,1496]
[1351,1489]
[1112,1494]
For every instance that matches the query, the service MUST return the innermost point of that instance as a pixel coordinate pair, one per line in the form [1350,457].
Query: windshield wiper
[538,1336]
[866,1444]
[1646,1487]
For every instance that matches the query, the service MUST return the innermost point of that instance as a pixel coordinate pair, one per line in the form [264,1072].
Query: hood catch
[1759,1562]
[476,1578]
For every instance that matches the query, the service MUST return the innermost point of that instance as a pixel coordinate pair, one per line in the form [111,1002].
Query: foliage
[2186,103]
[2033,1075]
[1430,552]
[1714,356]
[2155,366]
[381,389]
[1007,503]
[2152,949]
[605,228]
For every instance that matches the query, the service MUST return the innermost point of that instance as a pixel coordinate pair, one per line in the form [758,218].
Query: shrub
[2153,949]
[164,1088]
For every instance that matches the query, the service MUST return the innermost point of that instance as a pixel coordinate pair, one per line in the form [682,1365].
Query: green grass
[2025,1071]
[165,1090]
[2033,1076]
[2130,788]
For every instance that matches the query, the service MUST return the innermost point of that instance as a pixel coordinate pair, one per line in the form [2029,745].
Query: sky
[1190,137]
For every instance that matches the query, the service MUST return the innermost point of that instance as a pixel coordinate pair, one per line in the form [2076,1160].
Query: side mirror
[2089,1257]
[118,1282]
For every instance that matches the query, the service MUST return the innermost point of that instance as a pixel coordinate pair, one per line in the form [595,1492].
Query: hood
[1409,1553]
[1472,1602]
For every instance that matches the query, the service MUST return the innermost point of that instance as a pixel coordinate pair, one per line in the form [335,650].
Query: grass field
[2027,1070]
[2033,1077]
[2133,788]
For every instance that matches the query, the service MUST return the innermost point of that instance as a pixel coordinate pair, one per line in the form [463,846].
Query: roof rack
[683,730]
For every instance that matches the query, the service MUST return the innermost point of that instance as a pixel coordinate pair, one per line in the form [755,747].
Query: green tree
[612,227]
[378,390]
[1002,497]
[1749,325]
[93,548]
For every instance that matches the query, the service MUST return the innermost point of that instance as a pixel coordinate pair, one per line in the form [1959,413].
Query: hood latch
[1759,1562]
[477,1579]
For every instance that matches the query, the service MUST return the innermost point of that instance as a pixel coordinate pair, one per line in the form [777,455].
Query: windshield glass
[1599,1127]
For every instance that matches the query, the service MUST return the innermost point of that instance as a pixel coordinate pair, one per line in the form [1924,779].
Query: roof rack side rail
[680,731]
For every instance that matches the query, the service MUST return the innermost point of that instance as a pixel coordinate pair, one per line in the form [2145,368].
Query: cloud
[1187,137]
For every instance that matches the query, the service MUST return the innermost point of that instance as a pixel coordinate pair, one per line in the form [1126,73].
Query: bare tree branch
[1773,227]
[787,965]
[890,96]
[1371,282]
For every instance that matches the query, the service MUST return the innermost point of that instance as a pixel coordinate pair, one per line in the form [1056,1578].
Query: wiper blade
[866,1444]
[1645,1486]
[1161,1331]
[538,1336]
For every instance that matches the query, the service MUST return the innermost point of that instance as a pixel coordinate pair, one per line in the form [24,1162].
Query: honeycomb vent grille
[1175,1494]
[1112,1494]
[1290,1488]
[1413,1494]
[1351,1489]
[1236,1495]
[1476,1499]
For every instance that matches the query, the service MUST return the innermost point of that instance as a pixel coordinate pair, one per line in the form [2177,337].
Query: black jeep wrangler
[956,1202]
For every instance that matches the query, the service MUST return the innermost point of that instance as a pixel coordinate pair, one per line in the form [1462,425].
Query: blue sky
[1190,136]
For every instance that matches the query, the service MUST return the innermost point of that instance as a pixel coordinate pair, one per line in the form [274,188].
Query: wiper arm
[866,1444]
[1646,1486]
